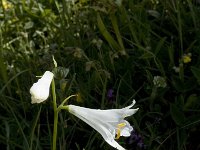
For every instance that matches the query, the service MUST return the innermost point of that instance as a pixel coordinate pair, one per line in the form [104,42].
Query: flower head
[40,90]
[159,81]
[187,58]
[109,123]
[6,5]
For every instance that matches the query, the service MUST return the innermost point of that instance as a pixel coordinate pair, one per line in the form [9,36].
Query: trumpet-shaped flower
[40,90]
[109,123]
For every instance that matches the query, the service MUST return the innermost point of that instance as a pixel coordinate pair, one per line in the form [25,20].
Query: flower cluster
[159,81]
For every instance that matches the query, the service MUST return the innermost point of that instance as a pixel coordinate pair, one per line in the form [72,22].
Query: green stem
[65,100]
[55,125]
[64,107]
[56,111]
[54,95]
[153,96]
[55,115]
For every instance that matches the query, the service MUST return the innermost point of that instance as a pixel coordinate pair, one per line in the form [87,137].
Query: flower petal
[107,122]
[114,144]
[40,90]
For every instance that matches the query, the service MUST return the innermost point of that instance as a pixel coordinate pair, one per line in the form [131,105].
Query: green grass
[104,47]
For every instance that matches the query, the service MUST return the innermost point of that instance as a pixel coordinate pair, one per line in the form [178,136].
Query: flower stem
[55,129]
[56,111]
[54,95]
[65,100]
[55,115]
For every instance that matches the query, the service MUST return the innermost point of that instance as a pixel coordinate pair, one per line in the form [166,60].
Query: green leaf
[117,32]
[178,84]
[147,56]
[60,72]
[106,34]
[28,25]
[159,45]
[185,86]
[181,138]
[177,114]
[196,73]
[63,84]
[191,102]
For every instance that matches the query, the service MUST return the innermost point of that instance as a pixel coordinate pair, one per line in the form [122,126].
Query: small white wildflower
[159,81]
[176,69]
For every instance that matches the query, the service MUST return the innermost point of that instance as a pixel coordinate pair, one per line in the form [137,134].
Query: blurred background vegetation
[109,52]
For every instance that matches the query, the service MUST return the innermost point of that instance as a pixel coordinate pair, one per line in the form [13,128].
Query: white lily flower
[109,123]
[40,90]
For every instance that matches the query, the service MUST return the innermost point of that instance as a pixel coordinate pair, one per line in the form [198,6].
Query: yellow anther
[121,125]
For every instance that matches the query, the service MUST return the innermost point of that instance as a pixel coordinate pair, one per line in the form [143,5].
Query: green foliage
[101,45]
[196,73]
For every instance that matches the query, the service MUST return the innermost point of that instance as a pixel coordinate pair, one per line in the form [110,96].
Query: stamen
[118,129]
[118,133]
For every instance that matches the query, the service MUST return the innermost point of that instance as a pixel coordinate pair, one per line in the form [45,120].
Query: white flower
[109,123]
[40,90]
[159,81]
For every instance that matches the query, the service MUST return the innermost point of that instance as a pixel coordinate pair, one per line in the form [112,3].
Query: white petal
[107,122]
[115,115]
[126,131]
[114,144]
[40,90]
